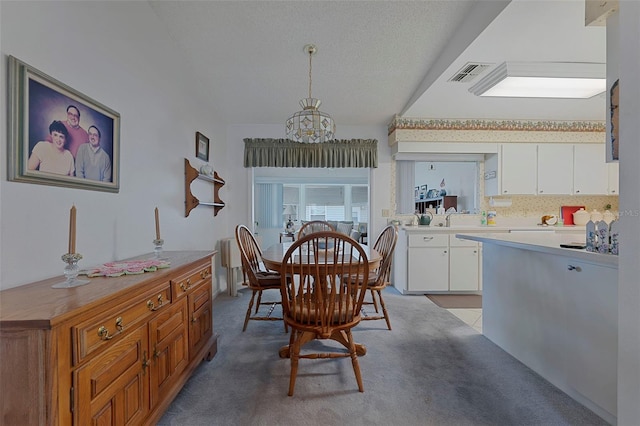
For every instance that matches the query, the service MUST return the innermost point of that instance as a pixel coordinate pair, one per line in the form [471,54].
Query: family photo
[64,138]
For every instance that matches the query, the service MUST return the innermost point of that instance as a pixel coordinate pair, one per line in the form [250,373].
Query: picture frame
[416,192]
[202,147]
[38,103]
[423,192]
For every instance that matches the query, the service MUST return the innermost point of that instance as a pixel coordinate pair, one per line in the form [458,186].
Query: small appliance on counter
[566,213]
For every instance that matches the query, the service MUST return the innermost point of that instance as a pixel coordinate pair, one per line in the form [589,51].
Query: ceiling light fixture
[543,80]
[310,124]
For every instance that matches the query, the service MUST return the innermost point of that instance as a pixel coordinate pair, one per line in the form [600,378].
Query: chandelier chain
[310,55]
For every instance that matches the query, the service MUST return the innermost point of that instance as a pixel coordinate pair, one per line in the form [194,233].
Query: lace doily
[126,267]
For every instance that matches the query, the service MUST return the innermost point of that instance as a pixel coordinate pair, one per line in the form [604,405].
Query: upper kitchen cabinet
[512,170]
[550,169]
[555,169]
[590,171]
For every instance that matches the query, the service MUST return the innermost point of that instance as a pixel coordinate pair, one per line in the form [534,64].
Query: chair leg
[384,309]
[354,359]
[248,315]
[259,302]
[373,297]
[294,354]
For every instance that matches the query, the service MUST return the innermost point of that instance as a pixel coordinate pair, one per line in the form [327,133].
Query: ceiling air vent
[469,72]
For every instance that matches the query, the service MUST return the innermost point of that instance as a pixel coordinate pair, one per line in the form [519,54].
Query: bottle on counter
[491,218]
[483,218]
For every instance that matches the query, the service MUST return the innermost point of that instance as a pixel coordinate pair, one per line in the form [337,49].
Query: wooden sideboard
[115,351]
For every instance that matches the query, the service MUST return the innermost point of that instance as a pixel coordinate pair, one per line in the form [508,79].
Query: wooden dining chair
[317,303]
[256,276]
[379,278]
[314,226]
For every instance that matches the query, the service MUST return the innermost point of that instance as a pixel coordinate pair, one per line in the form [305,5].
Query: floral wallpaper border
[399,123]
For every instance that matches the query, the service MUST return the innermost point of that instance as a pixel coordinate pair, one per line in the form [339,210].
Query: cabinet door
[555,169]
[590,170]
[464,269]
[113,387]
[518,169]
[428,269]
[613,172]
[169,345]
[201,319]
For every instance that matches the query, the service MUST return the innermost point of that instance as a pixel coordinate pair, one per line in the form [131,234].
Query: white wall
[629,268]
[118,54]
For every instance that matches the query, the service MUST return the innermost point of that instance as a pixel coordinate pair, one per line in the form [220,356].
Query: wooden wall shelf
[191,202]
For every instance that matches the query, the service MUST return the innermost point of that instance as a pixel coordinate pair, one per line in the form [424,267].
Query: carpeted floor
[457,301]
[432,369]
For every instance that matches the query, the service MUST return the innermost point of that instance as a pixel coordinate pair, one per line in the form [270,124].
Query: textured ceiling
[375,58]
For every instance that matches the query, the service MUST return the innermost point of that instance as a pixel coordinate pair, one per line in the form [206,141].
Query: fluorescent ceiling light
[543,80]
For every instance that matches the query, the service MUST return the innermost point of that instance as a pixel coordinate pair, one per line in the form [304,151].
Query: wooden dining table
[272,258]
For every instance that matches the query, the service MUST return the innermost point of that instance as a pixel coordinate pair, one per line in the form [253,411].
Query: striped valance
[287,153]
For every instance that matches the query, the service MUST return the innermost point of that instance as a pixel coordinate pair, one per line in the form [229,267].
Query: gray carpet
[431,369]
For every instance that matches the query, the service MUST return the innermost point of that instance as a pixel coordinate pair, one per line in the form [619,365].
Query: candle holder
[158,242]
[71,271]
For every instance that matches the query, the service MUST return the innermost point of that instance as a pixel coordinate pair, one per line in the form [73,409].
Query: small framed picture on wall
[202,146]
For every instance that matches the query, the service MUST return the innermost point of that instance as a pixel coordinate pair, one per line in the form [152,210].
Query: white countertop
[545,242]
[492,229]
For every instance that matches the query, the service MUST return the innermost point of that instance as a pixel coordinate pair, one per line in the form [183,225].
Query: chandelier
[310,125]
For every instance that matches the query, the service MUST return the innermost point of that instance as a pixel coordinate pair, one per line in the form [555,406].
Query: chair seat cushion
[307,311]
[268,278]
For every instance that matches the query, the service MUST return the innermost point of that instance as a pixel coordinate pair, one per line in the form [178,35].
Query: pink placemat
[126,267]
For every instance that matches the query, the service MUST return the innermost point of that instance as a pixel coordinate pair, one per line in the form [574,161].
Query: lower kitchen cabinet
[464,265]
[439,263]
[115,351]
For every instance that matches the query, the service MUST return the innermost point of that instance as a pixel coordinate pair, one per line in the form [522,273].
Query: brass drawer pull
[103,332]
[186,287]
[204,274]
[152,307]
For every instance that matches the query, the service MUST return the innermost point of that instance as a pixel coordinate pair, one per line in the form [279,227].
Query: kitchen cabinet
[464,265]
[513,170]
[590,171]
[550,169]
[437,263]
[115,351]
[428,262]
[613,171]
[554,169]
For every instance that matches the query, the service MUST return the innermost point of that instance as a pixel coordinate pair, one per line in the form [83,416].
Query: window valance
[287,153]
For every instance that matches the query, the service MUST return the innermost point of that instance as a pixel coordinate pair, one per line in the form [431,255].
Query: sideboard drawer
[97,332]
[181,285]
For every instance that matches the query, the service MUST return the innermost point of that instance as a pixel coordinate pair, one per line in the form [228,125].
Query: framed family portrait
[59,136]
[202,146]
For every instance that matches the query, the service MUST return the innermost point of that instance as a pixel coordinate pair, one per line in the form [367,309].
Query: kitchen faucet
[447,220]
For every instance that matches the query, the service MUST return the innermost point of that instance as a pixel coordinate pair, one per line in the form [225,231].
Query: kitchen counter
[555,310]
[491,229]
[543,243]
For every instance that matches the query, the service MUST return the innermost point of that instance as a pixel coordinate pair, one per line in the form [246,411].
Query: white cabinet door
[428,269]
[590,170]
[555,169]
[613,171]
[518,169]
[464,269]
